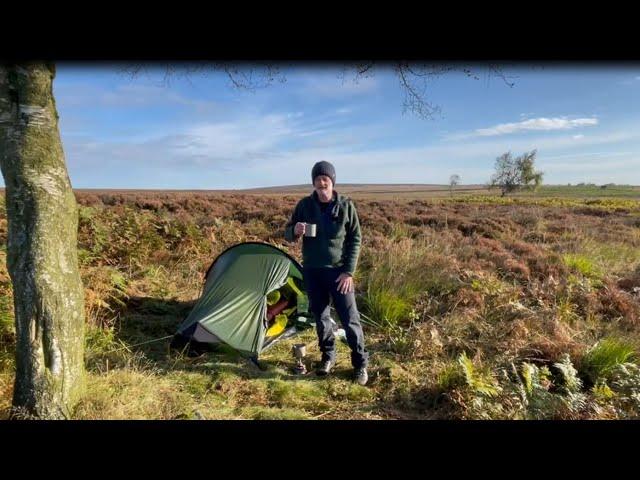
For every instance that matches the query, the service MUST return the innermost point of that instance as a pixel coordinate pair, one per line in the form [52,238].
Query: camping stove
[299,351]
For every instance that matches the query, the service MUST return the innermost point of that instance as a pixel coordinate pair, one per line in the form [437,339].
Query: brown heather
[502,283]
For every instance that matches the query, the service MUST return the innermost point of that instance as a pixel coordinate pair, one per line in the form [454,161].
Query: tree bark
[42,246]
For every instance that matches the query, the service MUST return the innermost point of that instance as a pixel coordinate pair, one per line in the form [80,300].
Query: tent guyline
[128,347]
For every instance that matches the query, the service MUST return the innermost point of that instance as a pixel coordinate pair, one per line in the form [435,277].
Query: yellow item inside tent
[278,325]
[288,290]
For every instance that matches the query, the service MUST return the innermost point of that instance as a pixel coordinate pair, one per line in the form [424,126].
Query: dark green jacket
[337,241]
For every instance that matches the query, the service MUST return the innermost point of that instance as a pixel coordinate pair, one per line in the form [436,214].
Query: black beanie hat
[323,168]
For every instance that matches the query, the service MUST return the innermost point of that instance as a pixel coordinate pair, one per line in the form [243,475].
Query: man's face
[323,186]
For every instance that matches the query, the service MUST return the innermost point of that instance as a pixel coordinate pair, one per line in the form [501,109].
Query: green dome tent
[253,296]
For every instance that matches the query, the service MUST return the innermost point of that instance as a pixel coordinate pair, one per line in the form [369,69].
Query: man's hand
[299,229]
[345,283]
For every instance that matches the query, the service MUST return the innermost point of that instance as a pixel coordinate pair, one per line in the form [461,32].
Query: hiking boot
[361,376]
[325,368]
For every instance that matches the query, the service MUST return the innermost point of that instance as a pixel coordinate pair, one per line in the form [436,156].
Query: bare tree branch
[241,76]
[364,68]
[414,81]
[497,71]
[414,78]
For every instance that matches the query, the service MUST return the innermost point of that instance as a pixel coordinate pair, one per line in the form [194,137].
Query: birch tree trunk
[42,246]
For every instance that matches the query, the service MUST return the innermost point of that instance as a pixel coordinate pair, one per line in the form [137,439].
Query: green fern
[573,399]
[528,373]
[602,392]
[537,401]
[479,381]
[626,383]
[571,381]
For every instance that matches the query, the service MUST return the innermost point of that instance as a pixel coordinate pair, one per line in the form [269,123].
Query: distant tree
[513,174]
[454,180]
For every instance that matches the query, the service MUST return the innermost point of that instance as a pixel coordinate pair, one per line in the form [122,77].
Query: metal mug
[299,351]
[310,230]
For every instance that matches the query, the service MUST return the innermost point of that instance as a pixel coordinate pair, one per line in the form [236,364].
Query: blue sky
[198,132]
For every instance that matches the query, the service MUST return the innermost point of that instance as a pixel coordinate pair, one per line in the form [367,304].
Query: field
[476,306]
[416,191]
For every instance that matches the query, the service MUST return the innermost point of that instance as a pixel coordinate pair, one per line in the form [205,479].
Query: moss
[41,254]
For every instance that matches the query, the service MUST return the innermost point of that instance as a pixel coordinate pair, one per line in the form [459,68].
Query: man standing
[329,260]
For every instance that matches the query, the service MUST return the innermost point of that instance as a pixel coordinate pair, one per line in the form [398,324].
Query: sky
[198,131]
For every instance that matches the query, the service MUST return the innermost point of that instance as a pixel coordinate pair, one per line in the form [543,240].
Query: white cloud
[253,151]
[428,165]
[558,123]
[433,164]
[209,145]
[578,137]
[311,133]
[279,149]
[249,137]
